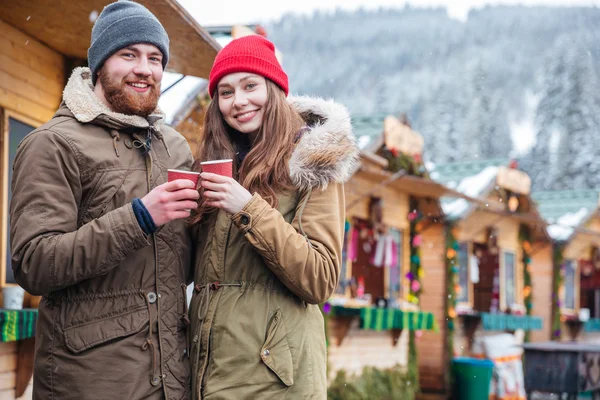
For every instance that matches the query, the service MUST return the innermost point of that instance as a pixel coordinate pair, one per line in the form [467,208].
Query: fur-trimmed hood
[327,152]
[86,107]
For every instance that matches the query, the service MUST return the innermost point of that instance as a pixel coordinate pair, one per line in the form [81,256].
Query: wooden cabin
[575,229]
[497,259]
[391,204]
[40,43]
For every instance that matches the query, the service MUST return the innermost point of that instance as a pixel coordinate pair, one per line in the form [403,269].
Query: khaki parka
[113,316]
[257,331]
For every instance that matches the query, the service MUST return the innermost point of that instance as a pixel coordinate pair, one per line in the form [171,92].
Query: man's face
[129,80]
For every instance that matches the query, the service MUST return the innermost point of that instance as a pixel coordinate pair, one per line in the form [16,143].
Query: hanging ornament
[415,286]
[513,203]
[451,253]
[417,241]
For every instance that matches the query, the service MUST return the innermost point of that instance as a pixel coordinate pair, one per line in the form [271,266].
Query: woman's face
[242,100]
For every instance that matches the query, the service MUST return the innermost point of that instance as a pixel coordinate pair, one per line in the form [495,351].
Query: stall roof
[476,179]
[368,129]
[568,211]
[66,26]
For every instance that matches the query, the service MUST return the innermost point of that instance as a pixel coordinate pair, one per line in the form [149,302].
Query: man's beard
[128,103]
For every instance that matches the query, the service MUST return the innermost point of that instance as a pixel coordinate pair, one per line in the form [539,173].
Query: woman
[269,247]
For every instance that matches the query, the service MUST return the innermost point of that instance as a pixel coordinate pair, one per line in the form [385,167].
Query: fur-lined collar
[327,152]
[86,107]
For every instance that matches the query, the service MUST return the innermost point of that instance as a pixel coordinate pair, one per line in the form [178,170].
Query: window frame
[503,281]
[5,116]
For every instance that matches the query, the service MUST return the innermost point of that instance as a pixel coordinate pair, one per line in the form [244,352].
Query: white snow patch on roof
[363,141]
[565,225]
[472,186]
[172,101]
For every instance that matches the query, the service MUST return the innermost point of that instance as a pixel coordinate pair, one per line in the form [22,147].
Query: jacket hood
[85,106]
[327,151]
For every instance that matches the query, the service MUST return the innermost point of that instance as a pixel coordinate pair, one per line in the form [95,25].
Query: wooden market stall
[497,261]
[390,263]
[39,46]
[575,229]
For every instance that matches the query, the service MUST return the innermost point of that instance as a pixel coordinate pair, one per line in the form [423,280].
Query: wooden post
[25,353]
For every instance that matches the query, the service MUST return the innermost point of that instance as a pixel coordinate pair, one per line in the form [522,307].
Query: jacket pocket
[275,352]
[79,338]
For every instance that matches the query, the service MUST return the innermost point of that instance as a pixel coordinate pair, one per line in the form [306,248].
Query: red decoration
[260,31]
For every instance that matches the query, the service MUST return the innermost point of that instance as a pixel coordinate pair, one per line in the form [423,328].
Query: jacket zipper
[148,159]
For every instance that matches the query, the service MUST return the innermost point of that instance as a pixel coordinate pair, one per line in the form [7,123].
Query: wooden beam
[14,102]
[24,372]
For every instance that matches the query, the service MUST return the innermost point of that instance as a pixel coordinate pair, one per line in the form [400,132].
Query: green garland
[525,240]
[557,282]
[451,260]
[412,164]
[415,290]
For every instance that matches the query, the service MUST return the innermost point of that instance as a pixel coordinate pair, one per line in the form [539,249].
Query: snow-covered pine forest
[509,81]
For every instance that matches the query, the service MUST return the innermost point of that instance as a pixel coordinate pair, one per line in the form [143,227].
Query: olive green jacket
[257,332]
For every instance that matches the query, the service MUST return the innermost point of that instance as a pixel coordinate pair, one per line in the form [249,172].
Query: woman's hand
[224,193]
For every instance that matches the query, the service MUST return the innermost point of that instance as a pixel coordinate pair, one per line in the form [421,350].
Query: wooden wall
[31,83]
[31,75]
[431,346]
[8,365]
[541,278]
[362,348]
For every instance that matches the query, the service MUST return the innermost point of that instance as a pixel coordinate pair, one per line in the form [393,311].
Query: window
[13,132]
[510,280]
[376,259]
[395,268]
[463,273]
[343,282]
[570,285]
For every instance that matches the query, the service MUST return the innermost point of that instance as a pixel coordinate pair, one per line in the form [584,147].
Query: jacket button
[266,353]
[151,297]
[245,220]
[128,143]
[155,380]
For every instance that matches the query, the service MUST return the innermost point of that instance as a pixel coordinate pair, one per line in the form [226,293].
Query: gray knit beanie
[122,24]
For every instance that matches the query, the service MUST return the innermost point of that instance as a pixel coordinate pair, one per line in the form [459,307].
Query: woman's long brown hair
[265,169]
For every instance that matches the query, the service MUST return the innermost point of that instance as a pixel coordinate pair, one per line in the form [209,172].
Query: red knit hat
[253,54]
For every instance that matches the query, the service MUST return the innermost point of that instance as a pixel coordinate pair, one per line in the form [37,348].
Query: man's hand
[171,200]
[224,193]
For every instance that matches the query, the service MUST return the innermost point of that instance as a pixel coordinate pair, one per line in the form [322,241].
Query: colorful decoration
[415,272]
[452,283]
[557,284]
[525,240]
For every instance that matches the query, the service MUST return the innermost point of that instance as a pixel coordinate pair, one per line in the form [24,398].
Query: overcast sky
[230,12]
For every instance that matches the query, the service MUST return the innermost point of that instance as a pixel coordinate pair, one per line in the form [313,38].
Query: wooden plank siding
[431,346]
[32,75]
[541,278]
[8,365]
[32,78]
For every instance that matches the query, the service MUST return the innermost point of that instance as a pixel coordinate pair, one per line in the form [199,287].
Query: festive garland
[412,164]
[557,283]
[452,289]
[525,240]
[414,276]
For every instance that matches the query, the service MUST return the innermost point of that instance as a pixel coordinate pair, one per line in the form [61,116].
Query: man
[97,230]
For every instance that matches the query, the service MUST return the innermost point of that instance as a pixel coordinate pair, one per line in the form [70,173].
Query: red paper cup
[174,174]
[219,167]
